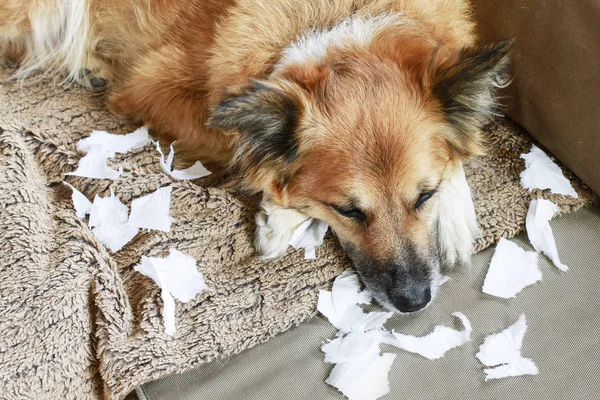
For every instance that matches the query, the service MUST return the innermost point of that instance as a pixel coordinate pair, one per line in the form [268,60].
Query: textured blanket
[77,322]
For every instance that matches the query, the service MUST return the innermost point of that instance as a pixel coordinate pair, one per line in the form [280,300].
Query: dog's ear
[466,87]
[266,116]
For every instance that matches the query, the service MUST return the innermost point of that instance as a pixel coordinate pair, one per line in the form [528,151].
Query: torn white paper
[503,351]
[107,211]
[178,277]
[543,173]
[308,236]
[81,204]
[115,143]
[108,219]
[352,345]
[340,306]
[539,231]
[363,378]
[194,172]
[152,211]
[511,270]
[435,344]
[115,236]
[93,165]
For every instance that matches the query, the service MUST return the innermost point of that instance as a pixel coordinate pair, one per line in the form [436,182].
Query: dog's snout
[411,299]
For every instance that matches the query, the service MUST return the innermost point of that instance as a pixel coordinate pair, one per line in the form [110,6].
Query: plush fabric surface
[79,323]
[554,94]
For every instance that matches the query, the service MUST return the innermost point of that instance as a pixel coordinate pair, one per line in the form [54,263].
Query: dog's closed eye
[423,197]
[349,212]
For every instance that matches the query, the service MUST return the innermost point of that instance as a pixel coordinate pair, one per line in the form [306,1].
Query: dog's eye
[423,198]
[353,213]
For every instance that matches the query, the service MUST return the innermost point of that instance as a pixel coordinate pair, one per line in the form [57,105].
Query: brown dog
[359,113]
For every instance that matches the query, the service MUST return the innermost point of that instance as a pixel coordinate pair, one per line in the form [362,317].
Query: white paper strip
[539,231]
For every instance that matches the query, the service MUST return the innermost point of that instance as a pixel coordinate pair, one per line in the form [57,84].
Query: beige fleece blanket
[77,322]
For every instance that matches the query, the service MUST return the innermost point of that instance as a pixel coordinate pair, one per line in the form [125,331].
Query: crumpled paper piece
[93,165]
[364,377]
[81,203]
[194,172]
[115,143]
[100,146]
[435,344]
[503,352]
[340,306]
[542,173]
[308,236]
[361,373]
[539,231]
[152,211]
[109,222]
[511,270]
[177,277]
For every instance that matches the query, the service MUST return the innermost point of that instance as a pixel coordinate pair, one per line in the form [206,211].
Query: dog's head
[363,139]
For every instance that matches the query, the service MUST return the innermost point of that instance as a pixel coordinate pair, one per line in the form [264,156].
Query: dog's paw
[92,75]
[274,228]
[457,223]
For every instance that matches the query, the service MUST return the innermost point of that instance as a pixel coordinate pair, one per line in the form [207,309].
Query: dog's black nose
[411,299]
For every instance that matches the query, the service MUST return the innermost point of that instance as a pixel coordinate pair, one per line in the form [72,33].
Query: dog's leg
[274,228]
[457,223]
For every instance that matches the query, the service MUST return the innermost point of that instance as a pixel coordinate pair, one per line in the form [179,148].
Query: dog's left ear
[266,116]
[467,91]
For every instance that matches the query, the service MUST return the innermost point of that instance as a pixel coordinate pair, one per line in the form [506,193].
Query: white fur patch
[58,40]
[457,223]
[355,31]
[275,226]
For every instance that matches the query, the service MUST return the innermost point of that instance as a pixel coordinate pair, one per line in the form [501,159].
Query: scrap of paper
[502,351]
[152,211]
[93,165]
[81,204]
[435,344]
[363,378]
[539,231]
[109,222]
[115,143]
[511,270]
[341,305]
[100,146]
[543,173]
[308,236]
[194,172]
[177,277]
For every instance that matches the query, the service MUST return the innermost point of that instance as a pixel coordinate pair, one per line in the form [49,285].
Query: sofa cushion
[556,90]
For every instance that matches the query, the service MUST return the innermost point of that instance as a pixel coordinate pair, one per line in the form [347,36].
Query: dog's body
[355,112]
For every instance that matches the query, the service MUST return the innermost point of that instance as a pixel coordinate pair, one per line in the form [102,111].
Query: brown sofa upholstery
[556,89]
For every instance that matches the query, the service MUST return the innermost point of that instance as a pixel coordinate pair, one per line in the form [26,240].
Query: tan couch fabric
[556,90]
[563,314]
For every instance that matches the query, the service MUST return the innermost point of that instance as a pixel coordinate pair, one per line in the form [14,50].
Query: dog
[359,113]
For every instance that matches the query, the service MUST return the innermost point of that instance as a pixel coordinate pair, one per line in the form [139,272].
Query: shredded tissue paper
[194,172]
[511,270]
[361,372]
[539,231]
[543,173]
[100,146]
[308,236]
[177,277]
[502,351]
